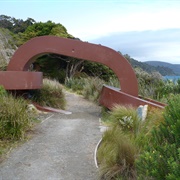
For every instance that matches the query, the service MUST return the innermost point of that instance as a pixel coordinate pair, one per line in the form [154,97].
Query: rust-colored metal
[111,96]
[50,109]
[18,77]
[20,80]
[28,53]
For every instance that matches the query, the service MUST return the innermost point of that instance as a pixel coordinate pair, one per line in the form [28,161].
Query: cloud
[126,17]
[161,45]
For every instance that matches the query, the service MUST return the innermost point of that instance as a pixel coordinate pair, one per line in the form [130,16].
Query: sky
[147,30]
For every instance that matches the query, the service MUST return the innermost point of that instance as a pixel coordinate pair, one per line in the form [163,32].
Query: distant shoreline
[172,78]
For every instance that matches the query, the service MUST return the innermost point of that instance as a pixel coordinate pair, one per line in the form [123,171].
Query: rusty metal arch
[17,76]
[28,53]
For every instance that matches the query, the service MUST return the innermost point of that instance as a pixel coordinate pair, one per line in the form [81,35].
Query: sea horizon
[172,78]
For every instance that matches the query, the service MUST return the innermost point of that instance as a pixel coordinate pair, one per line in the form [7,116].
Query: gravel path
[62,147]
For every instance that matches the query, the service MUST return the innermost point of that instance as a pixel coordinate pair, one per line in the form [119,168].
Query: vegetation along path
[62,146]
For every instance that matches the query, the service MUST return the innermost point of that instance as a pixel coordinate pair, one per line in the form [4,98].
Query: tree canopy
[15,25]
[42,29]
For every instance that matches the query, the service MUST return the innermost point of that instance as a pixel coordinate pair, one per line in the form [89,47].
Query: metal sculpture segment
[28,53]
[19,77]
[21,80]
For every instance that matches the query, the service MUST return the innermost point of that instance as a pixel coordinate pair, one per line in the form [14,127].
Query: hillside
[150,68]
[159,64]
[7,46]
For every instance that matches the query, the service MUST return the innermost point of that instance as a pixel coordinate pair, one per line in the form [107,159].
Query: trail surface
[62,147]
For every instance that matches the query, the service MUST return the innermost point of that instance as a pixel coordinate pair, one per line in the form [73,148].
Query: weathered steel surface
[17,76]
[111,96]
[38,46]
[20,80]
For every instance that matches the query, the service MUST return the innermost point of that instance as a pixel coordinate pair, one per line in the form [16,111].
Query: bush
[14,118]
[154,119]
[51,94]
[89,87]
[149,84]
[3,92]
[98,70]
[76,84]
[161,157]
[92,88]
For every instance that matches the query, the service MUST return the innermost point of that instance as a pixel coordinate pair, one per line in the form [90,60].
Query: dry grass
[51,94]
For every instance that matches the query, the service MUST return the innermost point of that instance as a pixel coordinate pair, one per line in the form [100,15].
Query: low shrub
[154,119]
[161,156]
[76,84]
[89,87]
[51,94]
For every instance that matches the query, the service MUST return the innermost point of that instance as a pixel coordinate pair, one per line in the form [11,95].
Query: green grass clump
[51,94]
[126,118]
[116,155]
[15,120]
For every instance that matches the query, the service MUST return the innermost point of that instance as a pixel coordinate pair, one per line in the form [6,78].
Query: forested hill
[163,70]
[157,64]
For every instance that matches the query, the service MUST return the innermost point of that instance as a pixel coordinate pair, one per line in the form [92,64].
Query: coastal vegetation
[51,94]
[17,119]
[131,148]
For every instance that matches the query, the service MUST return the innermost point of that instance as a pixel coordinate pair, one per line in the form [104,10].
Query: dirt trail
[62,147]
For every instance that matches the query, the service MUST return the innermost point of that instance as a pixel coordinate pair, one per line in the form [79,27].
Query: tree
[6,22]
[15,25]
[42,29]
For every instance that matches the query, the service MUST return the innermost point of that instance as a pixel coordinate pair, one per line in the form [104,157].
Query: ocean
[172,78]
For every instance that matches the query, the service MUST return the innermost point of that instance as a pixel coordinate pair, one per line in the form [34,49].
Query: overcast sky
[144,29]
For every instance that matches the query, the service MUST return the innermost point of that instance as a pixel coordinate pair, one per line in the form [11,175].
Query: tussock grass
[3,64]
[126,118]
[114,82]
[127,134]
[51,94]
[116,155]
[76,84]
[92,88]
[15,120]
